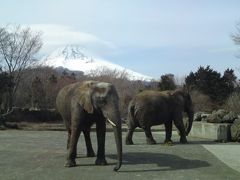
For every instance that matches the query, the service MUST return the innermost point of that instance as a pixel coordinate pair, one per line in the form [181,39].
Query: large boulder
[217,116]
[230,117]
[222,116]
[235,130]
[200,116]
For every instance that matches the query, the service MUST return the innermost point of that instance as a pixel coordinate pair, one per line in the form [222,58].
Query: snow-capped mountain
[73,58]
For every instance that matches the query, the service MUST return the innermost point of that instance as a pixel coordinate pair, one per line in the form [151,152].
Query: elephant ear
[84,94]
[85,102]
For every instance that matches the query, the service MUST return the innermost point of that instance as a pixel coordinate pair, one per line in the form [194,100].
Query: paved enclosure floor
[41,155]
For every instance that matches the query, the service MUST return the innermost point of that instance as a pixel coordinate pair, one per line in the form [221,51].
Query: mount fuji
[74,58]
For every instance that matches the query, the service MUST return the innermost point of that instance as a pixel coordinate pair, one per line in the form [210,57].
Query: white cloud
[59,35]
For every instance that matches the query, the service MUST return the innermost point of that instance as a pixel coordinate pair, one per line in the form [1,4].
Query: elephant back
[150,108]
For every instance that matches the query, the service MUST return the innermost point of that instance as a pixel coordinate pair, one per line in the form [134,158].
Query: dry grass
[201,102]
[233,102]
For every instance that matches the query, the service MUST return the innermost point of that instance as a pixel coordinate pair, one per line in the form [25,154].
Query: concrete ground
[41,155]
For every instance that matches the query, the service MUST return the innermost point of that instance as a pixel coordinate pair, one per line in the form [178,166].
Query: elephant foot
[70,163]
[101,162]
[151,141]
[168,142]
[183,140]
[91,154]
[128,142]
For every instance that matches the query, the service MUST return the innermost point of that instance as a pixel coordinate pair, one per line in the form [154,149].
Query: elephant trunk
[190,121]
[118,137]
[115,121]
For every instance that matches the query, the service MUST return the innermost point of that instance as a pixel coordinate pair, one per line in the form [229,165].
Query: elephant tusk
[112,123]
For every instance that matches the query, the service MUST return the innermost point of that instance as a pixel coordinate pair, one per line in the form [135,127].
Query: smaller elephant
[83,104]
[149,108]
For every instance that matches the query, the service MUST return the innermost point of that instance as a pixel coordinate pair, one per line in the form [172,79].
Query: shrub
[201,102]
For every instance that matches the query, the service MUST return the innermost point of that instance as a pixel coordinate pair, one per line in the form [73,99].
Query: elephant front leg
[90,152]
[72,149]
[149,137]
[168,133]
[101,133]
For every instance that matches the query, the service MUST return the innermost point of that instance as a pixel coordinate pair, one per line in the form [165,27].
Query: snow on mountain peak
[68,52]
[73,58]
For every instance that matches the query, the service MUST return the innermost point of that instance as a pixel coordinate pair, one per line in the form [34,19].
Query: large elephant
[83,104]
[149,108]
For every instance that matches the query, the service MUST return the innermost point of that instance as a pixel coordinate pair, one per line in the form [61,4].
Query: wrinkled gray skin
[83,104]
[150,108]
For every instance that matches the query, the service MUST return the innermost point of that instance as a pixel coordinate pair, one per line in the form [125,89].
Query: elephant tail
[131,115]
[131,111]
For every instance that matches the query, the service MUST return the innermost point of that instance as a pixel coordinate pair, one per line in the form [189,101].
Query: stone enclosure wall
[222,121]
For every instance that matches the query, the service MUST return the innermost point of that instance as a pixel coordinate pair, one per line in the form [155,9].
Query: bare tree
[38,94]
[236,36]
[18,47]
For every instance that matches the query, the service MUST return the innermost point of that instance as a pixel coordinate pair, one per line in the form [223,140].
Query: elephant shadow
[165,162]
[198,142]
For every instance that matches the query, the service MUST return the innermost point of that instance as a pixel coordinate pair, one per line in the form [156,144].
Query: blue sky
[152,37]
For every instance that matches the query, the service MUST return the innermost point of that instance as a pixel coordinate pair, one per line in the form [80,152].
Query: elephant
[152,107]
[81,105]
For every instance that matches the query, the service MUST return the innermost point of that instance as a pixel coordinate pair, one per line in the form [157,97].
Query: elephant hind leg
[180,126]
[149,137]
[68,138]
[90,151]
[128,140]
[168,133]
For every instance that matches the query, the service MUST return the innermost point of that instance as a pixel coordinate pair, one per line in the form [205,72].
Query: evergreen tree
[167,82]
[211,83]
[228,82]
